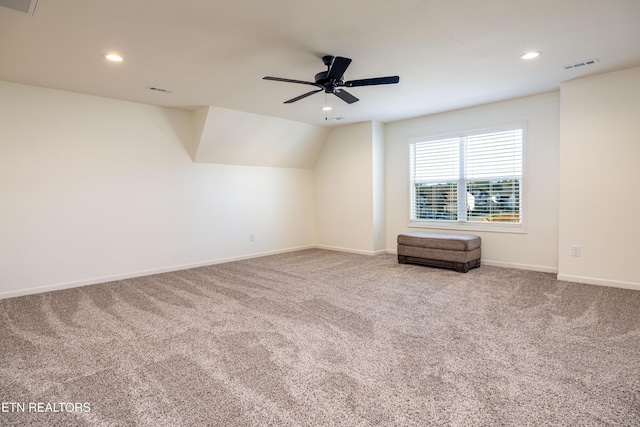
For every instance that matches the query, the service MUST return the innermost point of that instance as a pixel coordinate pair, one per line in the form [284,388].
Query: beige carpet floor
[323,338]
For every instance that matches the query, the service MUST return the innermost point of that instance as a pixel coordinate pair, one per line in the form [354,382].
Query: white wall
[93,189]
[378,191]
[599,176]
[344,190]
[536,248]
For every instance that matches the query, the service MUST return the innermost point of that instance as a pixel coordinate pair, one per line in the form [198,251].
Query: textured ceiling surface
[449,54]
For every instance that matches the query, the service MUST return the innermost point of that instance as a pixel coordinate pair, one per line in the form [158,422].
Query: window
[475,177]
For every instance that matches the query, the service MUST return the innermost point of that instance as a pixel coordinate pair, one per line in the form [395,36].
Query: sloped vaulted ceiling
[234,137]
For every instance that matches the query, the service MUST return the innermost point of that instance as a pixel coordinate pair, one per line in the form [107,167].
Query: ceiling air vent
[159,89]
[25,6]
[581,64]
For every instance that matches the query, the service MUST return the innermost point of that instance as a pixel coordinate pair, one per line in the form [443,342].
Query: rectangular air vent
[25,6]
[159,89]
[581,64]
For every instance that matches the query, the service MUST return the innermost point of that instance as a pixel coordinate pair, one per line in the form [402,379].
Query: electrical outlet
[252,237]
[575,250]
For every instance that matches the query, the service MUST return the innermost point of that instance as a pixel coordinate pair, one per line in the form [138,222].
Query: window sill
[463,226]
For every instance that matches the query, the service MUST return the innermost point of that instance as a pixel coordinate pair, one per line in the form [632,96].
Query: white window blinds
[494,155]
[474,177]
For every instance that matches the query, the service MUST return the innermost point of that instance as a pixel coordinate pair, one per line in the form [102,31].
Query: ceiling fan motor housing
[322,80]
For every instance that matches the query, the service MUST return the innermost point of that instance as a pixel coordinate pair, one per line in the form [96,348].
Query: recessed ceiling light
[530,55]
[114,57]
[327,108]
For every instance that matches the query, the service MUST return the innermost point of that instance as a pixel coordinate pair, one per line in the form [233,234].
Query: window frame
[499,227]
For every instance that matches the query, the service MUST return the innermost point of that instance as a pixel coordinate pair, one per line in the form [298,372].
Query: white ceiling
[449,54]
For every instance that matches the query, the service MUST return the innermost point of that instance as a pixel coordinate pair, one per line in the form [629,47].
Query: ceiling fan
[331,81]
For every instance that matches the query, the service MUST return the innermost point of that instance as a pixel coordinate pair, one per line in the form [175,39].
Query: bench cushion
[450,242]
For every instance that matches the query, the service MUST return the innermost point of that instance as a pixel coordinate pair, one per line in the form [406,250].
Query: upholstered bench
[457,251]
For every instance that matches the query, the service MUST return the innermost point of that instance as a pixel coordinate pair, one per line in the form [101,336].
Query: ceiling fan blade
[345,96]
[371,82]
[279,79]
[338,67]
[298,98]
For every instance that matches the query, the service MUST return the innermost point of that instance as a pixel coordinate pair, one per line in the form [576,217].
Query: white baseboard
[104,279]
[518,266]
[350,250]
[599,282]
[560,277]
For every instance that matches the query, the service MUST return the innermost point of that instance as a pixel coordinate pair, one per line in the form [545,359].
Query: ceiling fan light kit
[331,81]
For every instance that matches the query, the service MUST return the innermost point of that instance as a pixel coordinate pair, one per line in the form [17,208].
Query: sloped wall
[237,138]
